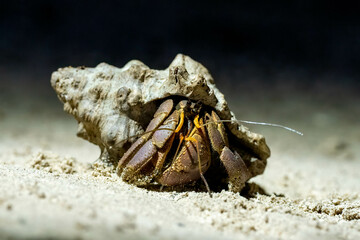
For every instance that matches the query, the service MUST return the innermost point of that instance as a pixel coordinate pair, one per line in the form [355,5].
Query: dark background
[229,37]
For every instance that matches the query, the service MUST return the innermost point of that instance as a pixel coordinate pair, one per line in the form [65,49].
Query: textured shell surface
[112,104]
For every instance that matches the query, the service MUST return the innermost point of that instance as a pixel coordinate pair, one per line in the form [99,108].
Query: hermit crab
[162,128]
[154,156]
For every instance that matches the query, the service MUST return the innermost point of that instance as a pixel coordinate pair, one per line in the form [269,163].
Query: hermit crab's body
[177,148]
[183,143]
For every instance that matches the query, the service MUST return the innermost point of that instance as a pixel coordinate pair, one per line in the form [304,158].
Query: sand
[53,187]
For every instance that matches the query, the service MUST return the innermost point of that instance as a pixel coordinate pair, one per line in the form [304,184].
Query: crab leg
[236,169]
[158,140]
[159,116]
[187,167]
[143,162]
[199,126]
[199,162]
[154,149]
[233,163]
[147,161]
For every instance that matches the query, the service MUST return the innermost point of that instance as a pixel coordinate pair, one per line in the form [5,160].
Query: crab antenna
[266,124]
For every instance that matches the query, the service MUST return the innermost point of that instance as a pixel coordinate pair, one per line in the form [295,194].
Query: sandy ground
[51,186]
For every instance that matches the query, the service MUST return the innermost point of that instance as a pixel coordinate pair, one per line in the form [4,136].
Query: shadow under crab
[113,104]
